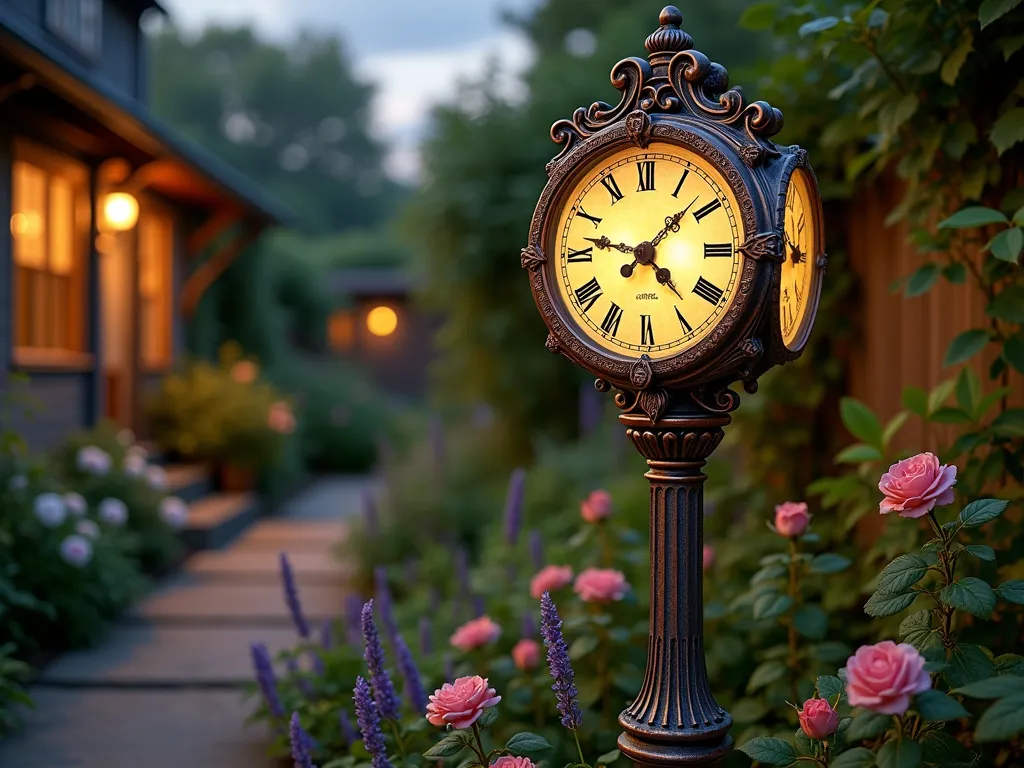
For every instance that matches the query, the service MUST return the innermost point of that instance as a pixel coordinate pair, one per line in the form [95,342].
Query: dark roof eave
[234,183]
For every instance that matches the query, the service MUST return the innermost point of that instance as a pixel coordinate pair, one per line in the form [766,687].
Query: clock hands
[672,224]
[605,244]
[798,255]
[665,278]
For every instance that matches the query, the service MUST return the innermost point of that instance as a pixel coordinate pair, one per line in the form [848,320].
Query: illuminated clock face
[797,298]
[648,251]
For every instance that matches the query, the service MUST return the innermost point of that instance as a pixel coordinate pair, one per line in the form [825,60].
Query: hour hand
[606,245]
[798,255]
[672,224]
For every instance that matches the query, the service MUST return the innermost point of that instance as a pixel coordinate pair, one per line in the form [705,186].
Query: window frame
[74,32]
[27,312]
[152,210]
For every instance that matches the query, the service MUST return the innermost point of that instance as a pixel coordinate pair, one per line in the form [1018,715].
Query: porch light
[382,321]
[120,212]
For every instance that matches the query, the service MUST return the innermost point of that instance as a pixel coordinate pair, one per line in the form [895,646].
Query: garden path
[164,689]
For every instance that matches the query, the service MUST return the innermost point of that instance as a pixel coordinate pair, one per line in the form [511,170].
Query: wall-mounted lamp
[382,321]
[119,212]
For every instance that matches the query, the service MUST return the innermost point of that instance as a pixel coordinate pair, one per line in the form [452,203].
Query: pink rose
[526,654]
[791,518]
[709,557]
[601,585]
[550,578]
[883,677]
[597,507]
[507,761]
[475,634]
[915,486]
[818,719]
[461,703]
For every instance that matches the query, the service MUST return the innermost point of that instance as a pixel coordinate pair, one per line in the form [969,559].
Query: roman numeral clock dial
[648,251]
[800,271]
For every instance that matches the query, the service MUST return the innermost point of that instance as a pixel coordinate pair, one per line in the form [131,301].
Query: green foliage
[13,674]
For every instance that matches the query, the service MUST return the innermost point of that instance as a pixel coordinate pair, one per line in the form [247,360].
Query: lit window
[50,234]
[77,22]
[341,330]
[156,270]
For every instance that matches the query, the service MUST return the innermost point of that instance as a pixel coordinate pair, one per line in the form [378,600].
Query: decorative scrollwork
[640,374]
[765,245]
[823,261]
[722,400]
[753,155]
[552,344]
[638,127]
[601,385]
[625,400]
[677,79]
[800,154]
[532,257]
[653,402]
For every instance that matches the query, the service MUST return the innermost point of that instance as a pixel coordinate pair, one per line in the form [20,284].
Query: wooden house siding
[900,341]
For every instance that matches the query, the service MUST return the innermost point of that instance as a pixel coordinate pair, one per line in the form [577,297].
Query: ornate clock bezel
[792,160]
[700,363]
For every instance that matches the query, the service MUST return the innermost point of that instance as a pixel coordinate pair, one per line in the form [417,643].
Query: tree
[293,118]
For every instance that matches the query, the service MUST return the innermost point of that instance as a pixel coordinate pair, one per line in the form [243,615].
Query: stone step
[253,566]
[189,482]
[214,520]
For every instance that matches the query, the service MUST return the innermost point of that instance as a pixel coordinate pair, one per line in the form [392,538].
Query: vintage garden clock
[675,251]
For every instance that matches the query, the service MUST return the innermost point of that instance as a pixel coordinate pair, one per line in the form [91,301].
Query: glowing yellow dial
[648,251]
[799,270]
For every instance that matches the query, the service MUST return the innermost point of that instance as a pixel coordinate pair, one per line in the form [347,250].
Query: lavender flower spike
[414,692]
[301,745]
[383,689]
[514,506]
[369,724]
[291,597]
[327,635]
[558,662]
[348,736]
[265,678]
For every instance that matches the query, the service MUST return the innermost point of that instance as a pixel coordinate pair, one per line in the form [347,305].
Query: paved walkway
[163,690]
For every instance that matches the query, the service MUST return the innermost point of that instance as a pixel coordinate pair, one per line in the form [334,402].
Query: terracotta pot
[234,479]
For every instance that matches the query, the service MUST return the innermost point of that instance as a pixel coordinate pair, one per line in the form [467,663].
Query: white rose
[174,512]
[75,504]
[113,512]
[76,550]
[50,509]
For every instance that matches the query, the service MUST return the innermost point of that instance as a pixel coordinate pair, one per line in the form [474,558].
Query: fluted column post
[675,720]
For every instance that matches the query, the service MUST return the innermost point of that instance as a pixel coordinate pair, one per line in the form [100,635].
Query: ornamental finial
[669,38]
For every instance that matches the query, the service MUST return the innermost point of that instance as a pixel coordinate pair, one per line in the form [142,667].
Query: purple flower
[384,601]
[369,724]
[426,633]
[265,678]
[479,607]
[291,597]
[514,506]
[354,619]
[415,695]
[327,635]
[537,549]
[301,744]
[383,689]
[347,735]
[558,662]
[370,519]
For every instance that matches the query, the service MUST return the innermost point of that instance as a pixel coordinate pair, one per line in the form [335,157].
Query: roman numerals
[708,291]
[592,219]
[646,331]
[588,294]
[610,324]
[645,171]
[717,250]
[682,321]
[682,180]
[608,182]
[707,210]
[575,257]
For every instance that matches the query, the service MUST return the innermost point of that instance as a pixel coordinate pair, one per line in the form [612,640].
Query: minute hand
[605,244]
[672,223]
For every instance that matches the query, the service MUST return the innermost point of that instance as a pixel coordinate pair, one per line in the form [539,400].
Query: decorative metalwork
[766,245]
[753,155]
[532,257]
[640,375]
[653,402]
[823,262]
[552,344]
[638,127]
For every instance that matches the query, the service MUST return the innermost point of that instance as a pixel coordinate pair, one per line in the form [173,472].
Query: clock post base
[674,719]
[654,755]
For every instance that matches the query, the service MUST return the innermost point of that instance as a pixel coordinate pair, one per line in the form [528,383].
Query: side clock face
[648,251]
[798,296]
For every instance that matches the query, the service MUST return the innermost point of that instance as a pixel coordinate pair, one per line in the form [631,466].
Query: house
[377,326]
[117,225]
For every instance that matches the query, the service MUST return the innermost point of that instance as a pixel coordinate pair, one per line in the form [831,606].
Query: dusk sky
[414,51]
